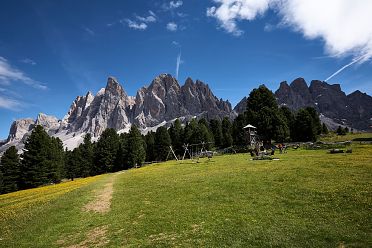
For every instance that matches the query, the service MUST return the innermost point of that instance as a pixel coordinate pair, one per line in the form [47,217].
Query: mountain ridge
[164,100]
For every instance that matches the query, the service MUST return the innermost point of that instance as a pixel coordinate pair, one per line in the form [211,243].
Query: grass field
[306,199]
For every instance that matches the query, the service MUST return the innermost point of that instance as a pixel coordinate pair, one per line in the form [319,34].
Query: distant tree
[204,134]
[340,131]
[238,132]
[305,129]
[10,170]
[289,119]
[191,132]
[136,147]
[162,143]
[216,129]
[324,129]
[1,182]
[227,139]
[263,112]
[87,158]
[346,130]
[56,157]
[72,163]
[150,146]
[105,152]
[176,134]
[315,116]
[36,159]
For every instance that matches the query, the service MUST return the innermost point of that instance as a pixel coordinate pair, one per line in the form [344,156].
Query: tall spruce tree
[105,152]
[36,159]
[176,134]
[324,129]
[204,134]
[72,163]
[216,129]
[87,158]
[305,129]
[150,146]
[162,143]
[263,112]
[238,132]
[56,158]
[10,170]
[227,139]
[136,147]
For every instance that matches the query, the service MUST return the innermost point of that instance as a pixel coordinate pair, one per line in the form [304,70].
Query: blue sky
[52,51]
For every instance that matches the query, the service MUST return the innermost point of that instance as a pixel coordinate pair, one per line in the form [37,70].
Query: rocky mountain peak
[113,88]
[299,85]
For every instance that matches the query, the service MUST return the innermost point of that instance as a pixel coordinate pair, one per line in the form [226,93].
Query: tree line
[44,161]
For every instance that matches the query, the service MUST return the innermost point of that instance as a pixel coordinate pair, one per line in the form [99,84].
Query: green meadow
[308,198]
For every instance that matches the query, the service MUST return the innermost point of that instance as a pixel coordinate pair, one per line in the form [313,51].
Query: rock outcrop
[161,102]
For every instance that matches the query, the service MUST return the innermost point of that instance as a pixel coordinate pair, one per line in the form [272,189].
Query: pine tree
[216,129]
[315,116]
[204,134]
[72,163]
[105,152]
[289,118]
[56,158]
[162,142]
[238,132]
[136,147]
[263,112]
[87,158]
[176,134]
[36,159]
[305,129]
[150,146]
[191,132]
[10,170]
[227,139]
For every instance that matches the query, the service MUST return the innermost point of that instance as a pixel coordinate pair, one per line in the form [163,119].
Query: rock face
[162,101]
[336,108]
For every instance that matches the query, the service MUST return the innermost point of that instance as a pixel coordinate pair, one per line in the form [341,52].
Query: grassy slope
[307,199]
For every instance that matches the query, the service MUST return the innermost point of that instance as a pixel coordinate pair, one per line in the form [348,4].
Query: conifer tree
[204,134]
[105,152]
[263,112]
[176,134]
[227,139]
[150,146]
[162,142]
[10,170]
[136,147]
[36,159]
[305,129]
[55,162]
[87,156]
[238,132]
[216,129]
[72,163]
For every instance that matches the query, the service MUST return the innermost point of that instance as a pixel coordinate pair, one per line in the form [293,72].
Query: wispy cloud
[135,25]
[172,26]
[10,74]
[178,63]
[140,22]
[356,60]
[28,61]
[172,5]
[89,31]
[10,104]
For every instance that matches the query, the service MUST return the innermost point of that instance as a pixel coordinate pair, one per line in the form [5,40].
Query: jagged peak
[299,82]
[165,80]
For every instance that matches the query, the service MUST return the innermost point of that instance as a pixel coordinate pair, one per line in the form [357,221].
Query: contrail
[346,66]
[178,64]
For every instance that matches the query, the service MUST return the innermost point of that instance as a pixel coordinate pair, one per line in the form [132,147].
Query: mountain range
[164,100]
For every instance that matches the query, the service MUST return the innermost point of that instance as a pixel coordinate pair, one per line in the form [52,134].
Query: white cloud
[171,26]
[135,25]
[175,4]
[11,104]
[172,5]
[231,11]
[343,25]
[28,61]
[9,74]
[89,31]
[147,19]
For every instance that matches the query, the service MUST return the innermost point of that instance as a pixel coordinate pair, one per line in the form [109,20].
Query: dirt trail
[102,201]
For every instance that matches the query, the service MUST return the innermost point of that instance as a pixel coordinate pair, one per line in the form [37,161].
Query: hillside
[306,199]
